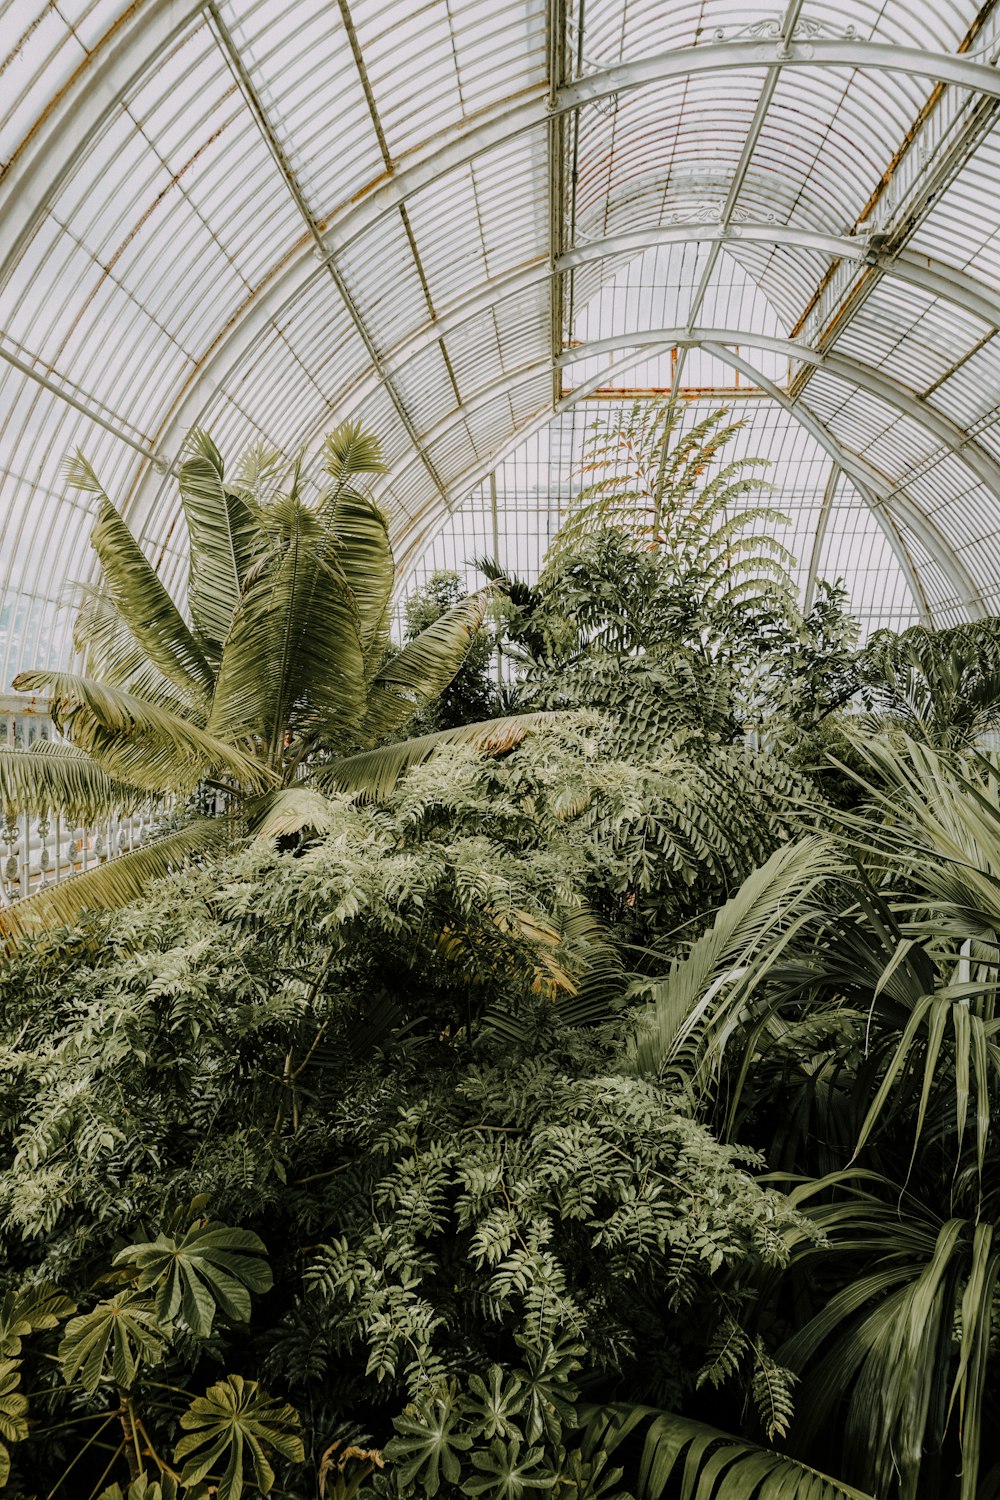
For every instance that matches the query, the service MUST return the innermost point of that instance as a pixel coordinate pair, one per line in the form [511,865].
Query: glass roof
[471,222]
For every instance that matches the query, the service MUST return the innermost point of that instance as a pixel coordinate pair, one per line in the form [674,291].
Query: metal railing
[40,850]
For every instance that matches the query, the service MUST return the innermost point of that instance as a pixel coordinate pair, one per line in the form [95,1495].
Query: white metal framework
[470,222]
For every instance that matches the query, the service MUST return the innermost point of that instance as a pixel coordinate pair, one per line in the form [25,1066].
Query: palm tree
[276,688]
[843,1007]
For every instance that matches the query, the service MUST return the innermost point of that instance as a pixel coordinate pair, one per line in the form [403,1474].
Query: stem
[92,1439]
[126,1415]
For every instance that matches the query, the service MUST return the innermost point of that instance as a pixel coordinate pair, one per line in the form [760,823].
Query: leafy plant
[280,670]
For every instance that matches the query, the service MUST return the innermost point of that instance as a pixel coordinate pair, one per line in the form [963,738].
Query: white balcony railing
[37,851]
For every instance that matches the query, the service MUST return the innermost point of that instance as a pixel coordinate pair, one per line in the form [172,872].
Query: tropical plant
[272,689]
[941,686]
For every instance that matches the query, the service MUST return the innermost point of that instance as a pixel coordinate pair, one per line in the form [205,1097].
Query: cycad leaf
[52,777]
[374,773]
[423,668]
[141,599]
[143,743]
[115,883]
[225,534]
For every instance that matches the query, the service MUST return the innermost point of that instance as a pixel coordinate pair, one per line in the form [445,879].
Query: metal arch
[866,479]
[41,167]
[864,377]
[934,276]
[109,75]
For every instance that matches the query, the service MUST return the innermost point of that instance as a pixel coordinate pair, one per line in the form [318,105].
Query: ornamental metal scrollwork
[769,29]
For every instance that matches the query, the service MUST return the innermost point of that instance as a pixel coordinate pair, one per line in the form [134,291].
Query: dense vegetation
[606,1106]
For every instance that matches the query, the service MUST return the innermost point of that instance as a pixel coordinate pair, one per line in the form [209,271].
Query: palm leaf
[374,773]
[691,1461]
[418,673]
[115,883]
[293,659]
[50,777]
[703,989]
[111,652]
[289,810]
[360,537]
[140,598]
[225,533]
[142,743]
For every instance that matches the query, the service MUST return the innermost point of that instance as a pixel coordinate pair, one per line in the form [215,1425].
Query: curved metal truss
[262,219]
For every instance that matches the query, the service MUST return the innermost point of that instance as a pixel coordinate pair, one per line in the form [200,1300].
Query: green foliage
[209,1268]
[471,694]
[237,1423]
[281,662]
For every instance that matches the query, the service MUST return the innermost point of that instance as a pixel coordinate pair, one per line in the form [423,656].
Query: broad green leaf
[236,1422]
[211,1267]
[113,1338]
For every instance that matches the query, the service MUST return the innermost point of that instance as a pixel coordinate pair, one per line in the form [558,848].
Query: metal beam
[82,403]
[864,377]
[867,480]
[874,487]
[822,524]
[785,33]
[556,44]
[238,67]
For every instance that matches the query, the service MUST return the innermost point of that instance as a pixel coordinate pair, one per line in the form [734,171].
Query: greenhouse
[499,749]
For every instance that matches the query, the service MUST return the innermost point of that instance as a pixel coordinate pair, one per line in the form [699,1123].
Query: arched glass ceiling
[463,220]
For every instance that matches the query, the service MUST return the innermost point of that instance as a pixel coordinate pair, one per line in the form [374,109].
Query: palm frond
[51,777]
[731,958]
[350,450]
[423,668]
[290,809]
[139,596]
[114,883]
[374,773]
[225,535]
[360,537]
[691,1461]
[293,660]
[111,653]
[142,743]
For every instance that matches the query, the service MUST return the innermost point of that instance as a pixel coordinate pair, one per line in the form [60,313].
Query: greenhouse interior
[500,749]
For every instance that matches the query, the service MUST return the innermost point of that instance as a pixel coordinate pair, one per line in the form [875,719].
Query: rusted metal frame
[383,145]
[82,403]
[941,171]
[233,56]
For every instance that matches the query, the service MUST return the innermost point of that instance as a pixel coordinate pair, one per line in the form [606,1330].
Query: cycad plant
[274,687]
[663,486]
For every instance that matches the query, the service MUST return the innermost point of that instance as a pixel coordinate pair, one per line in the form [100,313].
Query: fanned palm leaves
[282,666]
